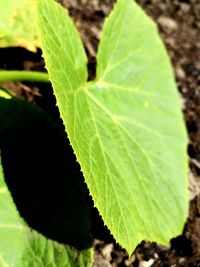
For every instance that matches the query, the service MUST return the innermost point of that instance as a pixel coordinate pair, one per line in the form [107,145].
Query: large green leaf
[126,127]
[22,247]
[17,24]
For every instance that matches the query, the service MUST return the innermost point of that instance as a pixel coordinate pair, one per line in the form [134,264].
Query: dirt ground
[179,25]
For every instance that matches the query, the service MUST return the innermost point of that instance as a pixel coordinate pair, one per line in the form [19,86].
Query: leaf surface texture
[18,24]
[126,126]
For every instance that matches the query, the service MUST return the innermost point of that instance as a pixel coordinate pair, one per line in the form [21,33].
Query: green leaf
[126,127]
[4,93]
[17,24]
[21,246]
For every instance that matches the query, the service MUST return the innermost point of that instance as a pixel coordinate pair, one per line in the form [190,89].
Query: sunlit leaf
[126,126]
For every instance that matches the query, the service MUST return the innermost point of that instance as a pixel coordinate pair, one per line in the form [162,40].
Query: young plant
[126,126]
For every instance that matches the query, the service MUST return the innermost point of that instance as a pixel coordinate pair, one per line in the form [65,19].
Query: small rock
[130,260]
[185,7]
[171,42]
[197,65]
[181,260]
[106,251]
[167,23]
[180,73]
[148,263]
[99,261]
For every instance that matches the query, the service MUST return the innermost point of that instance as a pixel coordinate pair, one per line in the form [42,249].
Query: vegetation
[126,129]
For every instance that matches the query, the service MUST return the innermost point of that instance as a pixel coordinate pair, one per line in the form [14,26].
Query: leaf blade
[128,72]
[107,121]
[16,27]
[74,58]
[133,190]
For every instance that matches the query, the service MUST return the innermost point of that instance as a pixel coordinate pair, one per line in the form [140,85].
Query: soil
[179,26]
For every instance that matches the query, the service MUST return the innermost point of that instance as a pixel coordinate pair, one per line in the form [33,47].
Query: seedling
[125,126]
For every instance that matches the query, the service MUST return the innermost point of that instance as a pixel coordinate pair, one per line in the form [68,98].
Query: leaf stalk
[23,75]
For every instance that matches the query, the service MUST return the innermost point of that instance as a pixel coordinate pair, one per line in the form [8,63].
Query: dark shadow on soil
[57,204]
[15,58]
[42,174]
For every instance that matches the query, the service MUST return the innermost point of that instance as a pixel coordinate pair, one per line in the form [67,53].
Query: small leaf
[4,93]
[126,127]
[17,24]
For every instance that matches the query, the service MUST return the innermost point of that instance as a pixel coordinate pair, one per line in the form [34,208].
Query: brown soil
[179,25]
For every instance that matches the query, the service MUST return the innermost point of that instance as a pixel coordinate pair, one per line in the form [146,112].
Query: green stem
[23,75]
